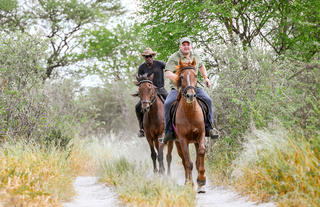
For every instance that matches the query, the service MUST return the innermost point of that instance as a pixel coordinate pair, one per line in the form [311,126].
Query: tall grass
[136,188]
[276,164]
[125,165]
[220,156]
[35,176]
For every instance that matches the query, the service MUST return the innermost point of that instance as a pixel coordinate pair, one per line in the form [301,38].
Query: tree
[286,26]
[58,21]
[117,51]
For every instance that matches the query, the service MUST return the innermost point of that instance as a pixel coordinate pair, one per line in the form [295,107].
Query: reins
[153,97]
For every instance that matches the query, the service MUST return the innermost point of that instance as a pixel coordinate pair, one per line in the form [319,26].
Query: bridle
[153,97]
[185,90]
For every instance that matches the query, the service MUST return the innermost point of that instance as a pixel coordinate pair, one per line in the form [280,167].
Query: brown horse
[189,122]
[153,121]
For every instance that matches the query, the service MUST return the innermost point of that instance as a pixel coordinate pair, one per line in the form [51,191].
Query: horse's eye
[181,77]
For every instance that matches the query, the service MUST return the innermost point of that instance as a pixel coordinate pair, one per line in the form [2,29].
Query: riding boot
[212,133]
[141,130]
[139,114]
[169,135]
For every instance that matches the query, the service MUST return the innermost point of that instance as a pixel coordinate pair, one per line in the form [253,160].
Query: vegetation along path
[94,194]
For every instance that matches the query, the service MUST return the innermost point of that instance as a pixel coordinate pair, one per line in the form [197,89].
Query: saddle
[204,106]
[159,92]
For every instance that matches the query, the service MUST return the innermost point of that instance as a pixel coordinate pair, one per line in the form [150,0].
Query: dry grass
[33,176]
[136,188]
[274,165]
[124,167]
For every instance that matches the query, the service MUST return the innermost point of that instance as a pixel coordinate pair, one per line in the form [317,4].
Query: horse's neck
[190,110]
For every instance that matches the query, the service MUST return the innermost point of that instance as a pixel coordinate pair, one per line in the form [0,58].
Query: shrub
[280,165]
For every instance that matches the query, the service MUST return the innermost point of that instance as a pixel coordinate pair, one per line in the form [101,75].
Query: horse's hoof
[201,189]
[161,171]
[201,182]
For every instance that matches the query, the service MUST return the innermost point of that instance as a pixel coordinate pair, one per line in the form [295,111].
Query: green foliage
[56,139]
[60,22]
[8,5]
[29,109]
[117,51]
[220,156]
[252,91]
[289,27]
[110,107]
[260,90]
[22,59]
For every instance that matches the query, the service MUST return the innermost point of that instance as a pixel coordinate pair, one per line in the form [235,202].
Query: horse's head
[187,79]
[147,92]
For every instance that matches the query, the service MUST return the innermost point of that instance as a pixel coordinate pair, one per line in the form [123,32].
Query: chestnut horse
[189,122]
[153,121]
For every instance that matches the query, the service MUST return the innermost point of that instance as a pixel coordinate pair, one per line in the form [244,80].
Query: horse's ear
[151,77]
[194,62]
[180,61]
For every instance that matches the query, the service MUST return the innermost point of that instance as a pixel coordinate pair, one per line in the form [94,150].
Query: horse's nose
[190,97]
[146,107]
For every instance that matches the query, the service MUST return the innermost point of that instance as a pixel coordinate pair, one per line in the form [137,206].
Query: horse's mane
[179,67]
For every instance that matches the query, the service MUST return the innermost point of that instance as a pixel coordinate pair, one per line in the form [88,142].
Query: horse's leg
[180,152]
[169,155]
[201,180]
[160,147]
[153,152]
[189,165]
[196,145]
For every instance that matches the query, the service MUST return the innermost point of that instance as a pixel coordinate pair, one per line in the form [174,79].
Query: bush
[280,165]
[111,107]
[30,109]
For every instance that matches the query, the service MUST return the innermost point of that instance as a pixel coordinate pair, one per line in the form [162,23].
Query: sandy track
[93,194]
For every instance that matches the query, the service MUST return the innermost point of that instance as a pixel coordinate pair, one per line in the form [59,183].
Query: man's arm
[170,66]
[204,74]
[170,75]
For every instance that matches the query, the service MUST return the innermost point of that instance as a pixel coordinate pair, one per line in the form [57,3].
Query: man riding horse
[186,54]
[149,67]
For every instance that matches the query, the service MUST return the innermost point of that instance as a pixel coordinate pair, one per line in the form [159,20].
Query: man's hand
[207,82]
